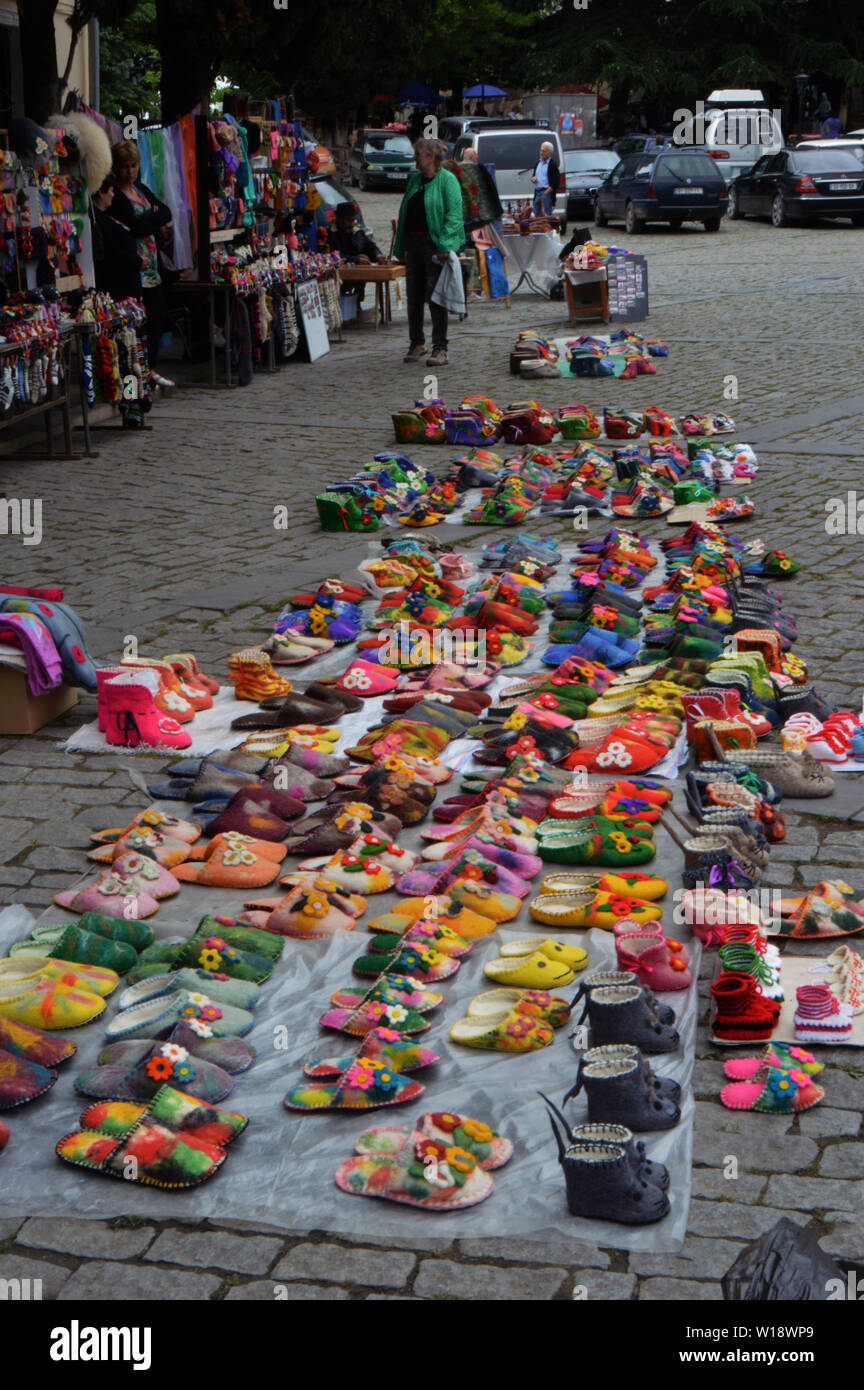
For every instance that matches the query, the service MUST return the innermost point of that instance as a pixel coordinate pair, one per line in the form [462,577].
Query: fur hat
[94,148]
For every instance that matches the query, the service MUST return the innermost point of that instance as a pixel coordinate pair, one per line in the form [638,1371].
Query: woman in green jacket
[430,227]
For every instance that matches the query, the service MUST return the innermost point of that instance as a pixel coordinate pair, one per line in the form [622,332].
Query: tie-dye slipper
[488,1148]
[424,1173]
[367,1084]
[385,1045]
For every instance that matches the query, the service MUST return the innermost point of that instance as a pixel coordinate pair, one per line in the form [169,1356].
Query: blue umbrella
[483,91]
[418,94]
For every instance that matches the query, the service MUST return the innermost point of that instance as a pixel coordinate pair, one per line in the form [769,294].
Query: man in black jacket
[353,245]
[115,249]
[546,180]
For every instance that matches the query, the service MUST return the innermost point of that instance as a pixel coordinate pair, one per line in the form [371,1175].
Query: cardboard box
[23,713]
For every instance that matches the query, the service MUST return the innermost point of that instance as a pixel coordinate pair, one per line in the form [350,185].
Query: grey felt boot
[622,1014]
[601,1184]
[663,1085]
[655,1173]
[625,977]
[619,1094]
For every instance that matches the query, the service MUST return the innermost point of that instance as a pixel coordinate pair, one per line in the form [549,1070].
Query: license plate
[842,187]
[396,176]
[689,190]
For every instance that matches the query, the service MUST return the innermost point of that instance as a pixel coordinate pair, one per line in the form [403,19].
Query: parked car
[584,171]
[804,182]
[669,185]
[452,128]
[332,194]
[638,144]
[737,138]
[514,149]
[380,159]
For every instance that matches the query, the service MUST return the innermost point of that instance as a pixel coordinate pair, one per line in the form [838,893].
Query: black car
[799,183]
[381,159]
[584,171]
[673,186]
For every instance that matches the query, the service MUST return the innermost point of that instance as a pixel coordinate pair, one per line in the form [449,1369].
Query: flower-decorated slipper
[470,926]
[367,1084]
[44,1003]
[232,1055]
[165,1063]
[385,1045]
[354,874]
[22,1040]
[22,1080]
[508,1031]
[773,1091]
[424,933]
[419,961]
[587,908]
[780,1055]
[424,1173]
[488,1148]
[488,902]
[633,885]
[549,1008]
[573,957]
[309,914]
[243,994]
[152,819]
[159,1016]
[216,956]
[89,978]
[535,971]
[170,1107]
[231,865]
[391,989]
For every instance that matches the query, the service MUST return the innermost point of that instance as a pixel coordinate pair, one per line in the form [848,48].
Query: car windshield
[829,161]
[745,130]
[586,161]
[332,193]
[389,144]
[507,150]
[687,166]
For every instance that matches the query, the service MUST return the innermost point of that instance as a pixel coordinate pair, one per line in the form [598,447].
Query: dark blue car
[669,185]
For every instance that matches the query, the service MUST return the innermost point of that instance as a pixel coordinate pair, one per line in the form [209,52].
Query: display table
[533,258]
[381,276]
[587,294]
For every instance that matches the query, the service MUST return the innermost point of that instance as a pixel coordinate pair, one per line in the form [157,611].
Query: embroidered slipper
[159,1016]
[153,819]
[113,895]
[487,1147]
[352,903]
[535,971]
[586,908]
[229,1054]
[234,839]
[21,1080]
[148,1154]
[172,1108]
[471,926]
[549,1008]
[488,902]
[573,957]
[34,1045]
[366,1085]
[773,1091]
[243,994]
[353,873]
[418,961]
[423,932]
[509,1031]
[374,1013]
[424,1173]
[231,865]
[633,885]
[782,1056]
[385,1045]
[166,849]
[164,1063]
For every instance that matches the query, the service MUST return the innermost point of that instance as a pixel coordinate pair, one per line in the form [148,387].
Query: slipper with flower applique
[423,1173]
[773,1091]
[489,1149]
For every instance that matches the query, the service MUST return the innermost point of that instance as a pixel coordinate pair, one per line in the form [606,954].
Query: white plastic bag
[449,290]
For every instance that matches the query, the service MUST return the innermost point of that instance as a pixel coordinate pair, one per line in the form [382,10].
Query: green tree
[130,65]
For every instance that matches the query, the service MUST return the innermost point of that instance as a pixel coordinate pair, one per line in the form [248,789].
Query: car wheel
[599,215]
[733,211]
[779,215]
[632,223]
[711,224]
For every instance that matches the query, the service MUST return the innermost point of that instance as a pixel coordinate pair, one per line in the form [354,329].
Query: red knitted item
[742,1013]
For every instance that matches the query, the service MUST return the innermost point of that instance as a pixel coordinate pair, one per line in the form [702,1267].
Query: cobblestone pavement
[170,537]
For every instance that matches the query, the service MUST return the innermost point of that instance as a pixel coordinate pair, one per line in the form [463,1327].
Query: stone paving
[169,537]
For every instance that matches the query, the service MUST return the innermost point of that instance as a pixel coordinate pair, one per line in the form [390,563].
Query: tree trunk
[41,83]
[187,76]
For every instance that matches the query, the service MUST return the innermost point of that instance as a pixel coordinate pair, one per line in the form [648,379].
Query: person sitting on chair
[353,245]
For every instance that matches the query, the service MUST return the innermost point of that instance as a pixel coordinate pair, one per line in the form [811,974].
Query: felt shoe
[573,957]
[529,971]
[49,1004]
[158,1016]
[254,679]
[772,1091]
[508,1031]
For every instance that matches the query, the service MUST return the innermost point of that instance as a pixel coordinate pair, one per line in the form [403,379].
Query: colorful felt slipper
[424,933]
[773,1091]
[81,949]
[231,865]
[159,1016]
[366,1085]
[533,971]
[385,1045]
[423,1173]
[152,819]
[170,1107]
[572,957]
[308,913]
[587,908]
[34,1045]
[633,885]
[511,1030]
[149,1154]
[88,978]
[232,1055]
[488,902]
[164,1063]
[783,1056]
[550,1008]
[21,1080]
[44,1003]
[419,961]
[391,989]
[243,994]
[471,926]
[488,1148]
[374,1013]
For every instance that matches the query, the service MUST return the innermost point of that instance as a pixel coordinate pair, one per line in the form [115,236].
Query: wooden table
[381,276]
[587,294]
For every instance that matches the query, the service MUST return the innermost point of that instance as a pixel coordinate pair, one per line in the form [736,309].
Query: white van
[736,136]
[514,150]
